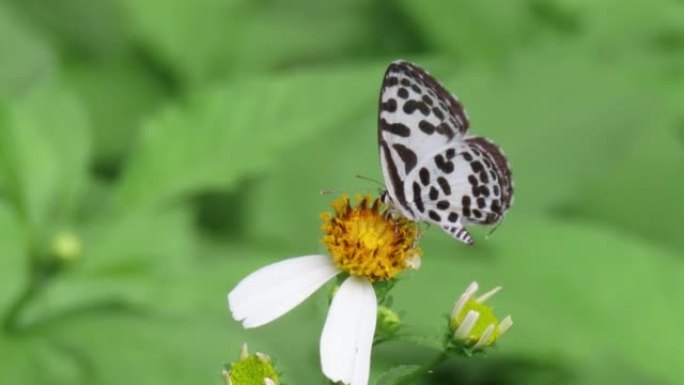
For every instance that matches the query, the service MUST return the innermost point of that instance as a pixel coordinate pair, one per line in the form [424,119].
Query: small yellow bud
[389,321]
[66,246]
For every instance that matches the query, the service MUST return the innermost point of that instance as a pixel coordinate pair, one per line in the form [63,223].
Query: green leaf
[625,26]
[26,60]
[118,95]
[13,265]
[234,130]
[85,28]
[393,375]
[470,29]
[641,193]
[146,349]
[44,147]
[432,341]
[126,263]
[31,360]
[210,39]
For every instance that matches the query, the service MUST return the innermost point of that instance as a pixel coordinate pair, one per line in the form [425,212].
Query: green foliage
[45,149]
[27,60]
[184,145]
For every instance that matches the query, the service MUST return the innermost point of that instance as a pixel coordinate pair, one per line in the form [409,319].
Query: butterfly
[434,170]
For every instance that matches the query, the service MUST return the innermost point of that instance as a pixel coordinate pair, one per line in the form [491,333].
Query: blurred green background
[152,153]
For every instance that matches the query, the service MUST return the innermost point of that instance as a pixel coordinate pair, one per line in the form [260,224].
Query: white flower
[366,243]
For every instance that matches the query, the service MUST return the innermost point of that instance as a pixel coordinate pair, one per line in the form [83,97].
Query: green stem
[37,281]
[425,368]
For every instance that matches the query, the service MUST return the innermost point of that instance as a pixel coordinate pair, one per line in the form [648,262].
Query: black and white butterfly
[434,171]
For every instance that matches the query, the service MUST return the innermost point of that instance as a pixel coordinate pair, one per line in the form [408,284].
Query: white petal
[348,333]
[485,337]
[226,377]
[469,292]
[471,289]
[488,294]
[467,325]
[505,324]
[275,289]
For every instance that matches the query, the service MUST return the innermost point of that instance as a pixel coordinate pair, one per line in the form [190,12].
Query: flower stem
[424,369]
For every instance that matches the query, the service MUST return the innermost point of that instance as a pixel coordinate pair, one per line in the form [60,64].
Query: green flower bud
[472,323]
[251,369]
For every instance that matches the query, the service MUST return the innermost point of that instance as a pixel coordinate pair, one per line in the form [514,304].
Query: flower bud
[472,323]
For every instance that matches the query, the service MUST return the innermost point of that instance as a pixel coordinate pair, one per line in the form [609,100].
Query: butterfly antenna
[335,191]
[345,190]
[489,234]
[362,177]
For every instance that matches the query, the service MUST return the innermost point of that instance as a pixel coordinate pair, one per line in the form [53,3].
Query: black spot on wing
[417,199]
[446,166]
[426,127]
[393,175]
[450,104]
[395,128]
[434,194]
[390,105]
[412,105]
[444,129]
[424,175]
[496,207]
[476,166]
[438,113]
[407,156]
[444,185]
[434,216]
[403,93]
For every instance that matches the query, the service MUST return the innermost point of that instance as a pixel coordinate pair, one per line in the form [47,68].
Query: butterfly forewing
[417,116]
[433,171]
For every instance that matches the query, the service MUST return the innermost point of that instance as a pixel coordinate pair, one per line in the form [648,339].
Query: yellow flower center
[368,240]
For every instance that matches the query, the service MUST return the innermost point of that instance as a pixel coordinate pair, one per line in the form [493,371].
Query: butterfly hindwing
[435,190]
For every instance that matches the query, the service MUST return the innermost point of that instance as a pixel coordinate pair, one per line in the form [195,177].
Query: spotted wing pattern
[433,170]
